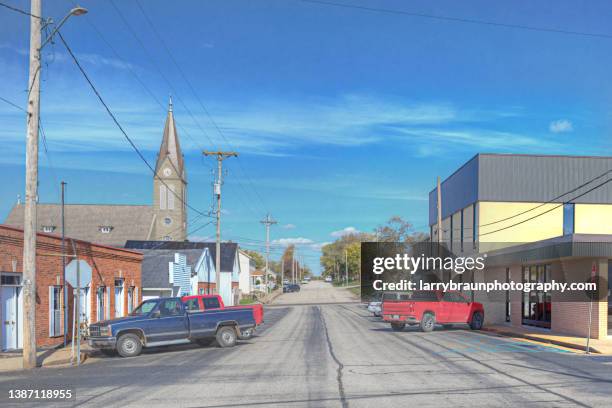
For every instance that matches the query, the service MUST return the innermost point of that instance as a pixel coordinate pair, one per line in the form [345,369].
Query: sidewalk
[52,357]
[564,340]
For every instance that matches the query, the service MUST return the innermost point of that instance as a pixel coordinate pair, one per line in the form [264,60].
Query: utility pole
[293,265]
[267,222]
[64,266]
[31,187]
[283,272]
[220,157]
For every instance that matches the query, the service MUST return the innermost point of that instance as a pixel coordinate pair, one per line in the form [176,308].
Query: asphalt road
[336,355]
[317,292]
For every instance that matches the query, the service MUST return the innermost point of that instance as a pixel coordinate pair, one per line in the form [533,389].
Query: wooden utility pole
[282,272]
[267,222]
[31,193]
[220,157]
[65,303]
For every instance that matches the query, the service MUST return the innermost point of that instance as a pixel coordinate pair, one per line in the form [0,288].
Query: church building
[114,224]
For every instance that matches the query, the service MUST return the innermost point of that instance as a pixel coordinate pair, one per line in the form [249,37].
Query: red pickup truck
[428,308]
[215,302]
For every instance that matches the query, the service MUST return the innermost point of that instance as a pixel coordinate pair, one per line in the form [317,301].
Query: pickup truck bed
[215,302]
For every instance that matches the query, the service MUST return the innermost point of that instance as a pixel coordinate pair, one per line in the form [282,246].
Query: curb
[65,361]
[542,340]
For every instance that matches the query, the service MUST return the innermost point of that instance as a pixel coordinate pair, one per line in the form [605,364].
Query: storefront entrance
[536,305]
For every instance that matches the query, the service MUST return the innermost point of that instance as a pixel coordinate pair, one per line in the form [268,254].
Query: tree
[396,229]
[259,259]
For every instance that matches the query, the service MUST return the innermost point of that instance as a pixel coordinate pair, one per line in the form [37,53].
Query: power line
[206,111]
[20,11]
[547,211]
[43,136]
[127,137]
[172,88]
[459,19]
[549,201]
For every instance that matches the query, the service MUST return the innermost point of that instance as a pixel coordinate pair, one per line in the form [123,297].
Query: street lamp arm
[77,11]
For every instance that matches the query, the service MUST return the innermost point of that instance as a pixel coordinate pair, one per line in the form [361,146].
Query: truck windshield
[144,308]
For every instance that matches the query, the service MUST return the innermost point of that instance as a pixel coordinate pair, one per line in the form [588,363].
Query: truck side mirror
[156,314]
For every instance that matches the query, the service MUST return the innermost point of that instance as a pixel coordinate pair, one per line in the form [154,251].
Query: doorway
[11,311]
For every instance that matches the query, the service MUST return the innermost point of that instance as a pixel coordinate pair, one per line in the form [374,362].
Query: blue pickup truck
[165,321]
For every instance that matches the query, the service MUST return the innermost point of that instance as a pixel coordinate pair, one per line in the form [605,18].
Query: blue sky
[342,117]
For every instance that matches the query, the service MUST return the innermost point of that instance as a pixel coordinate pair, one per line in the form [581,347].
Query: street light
[77,11]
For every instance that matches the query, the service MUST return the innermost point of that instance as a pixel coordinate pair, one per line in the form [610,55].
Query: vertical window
[118,297]
[474,224]
[100,303]
[130,301]
[462,230]
[55,311]
[508,305]
[568,218]
[451,232]
[162,197]
[107,299]
[171,197]
[536,304]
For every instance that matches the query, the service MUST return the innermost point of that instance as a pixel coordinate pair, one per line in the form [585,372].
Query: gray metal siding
[522,178]
[458,191]
[542,178]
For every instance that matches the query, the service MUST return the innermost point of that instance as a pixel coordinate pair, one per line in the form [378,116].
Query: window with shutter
[162,197]
[171,197]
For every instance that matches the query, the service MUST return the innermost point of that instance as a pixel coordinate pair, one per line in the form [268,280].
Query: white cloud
[561,126]
[289,226]
[293,241]
[345,231]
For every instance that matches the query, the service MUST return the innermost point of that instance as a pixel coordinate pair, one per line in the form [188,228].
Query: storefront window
[536,304]
[568,218]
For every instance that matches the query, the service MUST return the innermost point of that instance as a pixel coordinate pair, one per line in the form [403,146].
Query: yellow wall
[546,226]
[593,219]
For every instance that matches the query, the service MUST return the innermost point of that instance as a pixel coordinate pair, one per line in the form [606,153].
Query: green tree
[259,259]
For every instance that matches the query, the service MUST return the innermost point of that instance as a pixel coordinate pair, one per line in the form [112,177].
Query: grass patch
[247,301]
[355,290]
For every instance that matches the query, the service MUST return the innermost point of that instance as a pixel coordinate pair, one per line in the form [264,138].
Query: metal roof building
[524,178]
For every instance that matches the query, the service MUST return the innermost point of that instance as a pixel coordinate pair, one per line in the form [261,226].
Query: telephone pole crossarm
[217,191]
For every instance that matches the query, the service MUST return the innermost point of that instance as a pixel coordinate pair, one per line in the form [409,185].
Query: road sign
[84,271]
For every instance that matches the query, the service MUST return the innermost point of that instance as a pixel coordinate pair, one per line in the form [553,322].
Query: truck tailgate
[395,310]
[257,310]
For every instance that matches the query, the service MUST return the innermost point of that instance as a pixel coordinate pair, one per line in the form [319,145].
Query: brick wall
[107,264]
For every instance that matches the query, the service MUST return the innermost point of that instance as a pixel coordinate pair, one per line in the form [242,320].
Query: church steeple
[170,145]
[169,186]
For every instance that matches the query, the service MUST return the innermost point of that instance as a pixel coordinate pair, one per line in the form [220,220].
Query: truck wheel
[226,336]
[247,334]
[205,342]
[477,320]
[397,326]
[428,322]
[129,345]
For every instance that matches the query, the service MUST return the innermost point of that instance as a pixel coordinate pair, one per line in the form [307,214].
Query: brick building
[115,287]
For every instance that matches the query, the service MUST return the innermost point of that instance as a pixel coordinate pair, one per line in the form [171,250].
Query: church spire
[170,146]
